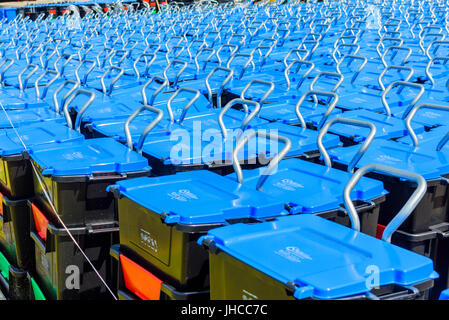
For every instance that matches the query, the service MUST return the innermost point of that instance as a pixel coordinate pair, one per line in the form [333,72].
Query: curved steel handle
[437,42]
[172,63]
[62,86]
[409,53]
[380,43]
[297,51]
[4,69]
[47,85]
[109,52]
[248,62]
[233,50]
[305,74]
[263,82]
[147,129]
[315,93]
[405,211]
[247,118]
[271,165]
[68,58]
[430,63]
[352,58]
[113,81]
[402,84]
[412,113]
[222,85]
[22,83]
[329,74]
[93,64]
[165,84]
[147,64]
[350,45]
[384,71]
[208,58]
[362,149]
[186,107]
[83,109]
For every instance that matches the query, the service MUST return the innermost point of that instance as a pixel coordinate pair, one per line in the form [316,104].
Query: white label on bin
[288,184]
[147,240]
[183,195]
[293,254]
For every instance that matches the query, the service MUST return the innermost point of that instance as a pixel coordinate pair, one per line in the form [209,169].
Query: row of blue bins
[226,151]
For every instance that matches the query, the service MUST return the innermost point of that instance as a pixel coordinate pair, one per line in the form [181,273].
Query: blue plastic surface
[28,116]
[325,260]
[386,127]
[200,197]
[423,159]
[444,295]
[33,135]
[87,157]
[307,187]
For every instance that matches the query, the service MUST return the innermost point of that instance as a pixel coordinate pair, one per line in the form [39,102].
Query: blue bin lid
[423,160]
[120,106]
[430,138]
[29,116]
[303,140]
[285,111]
[311,188]
[199,197]
[88,157]
[323,259]
[386,127]
[209,119]
[444,295]
[34,135]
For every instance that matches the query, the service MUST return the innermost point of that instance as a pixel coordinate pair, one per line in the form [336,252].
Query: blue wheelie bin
[308,257]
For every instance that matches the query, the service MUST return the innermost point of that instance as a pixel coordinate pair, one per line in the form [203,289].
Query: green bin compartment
[15,239]
[18,284]
[58,260]
[16,177]
[263,287]
[143,274]
[170,248]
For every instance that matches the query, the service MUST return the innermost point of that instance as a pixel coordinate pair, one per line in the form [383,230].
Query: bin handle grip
[3,71]
[61,86]
[352,58]
[267,93]
[299,62]
[429,65]
[147,64]
[405,211]
[409,53]
[91,96]
[314,93]
[47,85]
[173,62]
[22,83]
[147,129]
[245,66]
[247,118]
[384,71]
[113,81]
[222,85]
[186,107]
[297,51]
[413,112]
[330,74]
[363,147]
[165,84]
[350,45]
[93,64]
[402,84]
[271,165]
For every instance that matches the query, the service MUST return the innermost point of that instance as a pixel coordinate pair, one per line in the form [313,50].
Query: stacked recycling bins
[295,151]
